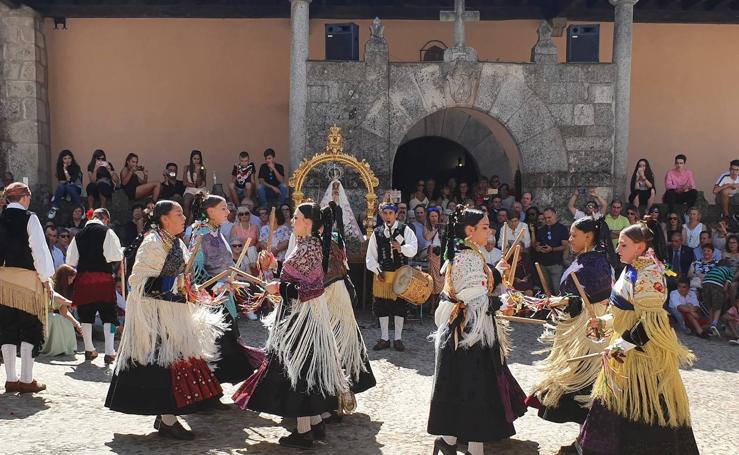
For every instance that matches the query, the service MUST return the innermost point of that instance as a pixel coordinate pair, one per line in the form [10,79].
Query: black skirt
[475,396]
[607,433]
[148,390]
[366,379]
[275,395]
[568,409]
[234,365]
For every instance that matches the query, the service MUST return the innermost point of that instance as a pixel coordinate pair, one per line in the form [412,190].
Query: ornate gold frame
[335,152]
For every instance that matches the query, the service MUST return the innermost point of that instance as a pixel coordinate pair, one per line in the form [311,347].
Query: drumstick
[543,280]
[503,236]
[249,277]
[194,254]
[241,256]
[522,320]
[584,357]
[214,279]
[517,239]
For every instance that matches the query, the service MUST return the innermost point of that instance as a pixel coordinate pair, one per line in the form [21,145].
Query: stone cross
[459,16]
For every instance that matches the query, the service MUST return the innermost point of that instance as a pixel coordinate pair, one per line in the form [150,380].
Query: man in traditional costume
[25,269]
[389,248]
[93,252]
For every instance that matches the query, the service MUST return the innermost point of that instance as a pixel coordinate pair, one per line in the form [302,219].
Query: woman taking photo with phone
[135,180]
[103,180]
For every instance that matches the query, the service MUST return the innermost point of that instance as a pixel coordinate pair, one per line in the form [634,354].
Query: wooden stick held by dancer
[543,280]
[503,239]
[585,301]
[193,255]
[585,357]
[521,320]
[514,265]
[241,256]
[248,277]
[123,278]
[515,242]
[272,227]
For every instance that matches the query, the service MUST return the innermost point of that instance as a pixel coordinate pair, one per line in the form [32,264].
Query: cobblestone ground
[69,416]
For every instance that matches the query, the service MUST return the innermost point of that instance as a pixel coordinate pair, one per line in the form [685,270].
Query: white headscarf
[351,227]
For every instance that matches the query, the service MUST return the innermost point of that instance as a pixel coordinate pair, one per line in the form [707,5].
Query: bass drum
[412,285]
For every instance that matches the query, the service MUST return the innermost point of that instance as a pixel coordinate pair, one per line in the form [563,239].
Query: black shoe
[704,334]
[175,431]
[381,344]
[440,445]
[319,431]
[398,346]
[333,418]
[218,405]
[298,440]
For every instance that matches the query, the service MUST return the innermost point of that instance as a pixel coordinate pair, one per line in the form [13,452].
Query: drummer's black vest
[389,262]
[15,250]
[90,242]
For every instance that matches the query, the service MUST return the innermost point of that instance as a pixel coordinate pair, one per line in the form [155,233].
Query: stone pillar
[622,45]
[24,106]
[299,25]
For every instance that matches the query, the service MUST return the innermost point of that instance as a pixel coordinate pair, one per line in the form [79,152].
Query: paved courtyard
[69,417]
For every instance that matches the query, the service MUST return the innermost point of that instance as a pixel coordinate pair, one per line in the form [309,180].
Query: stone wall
[560,116]
[24,116]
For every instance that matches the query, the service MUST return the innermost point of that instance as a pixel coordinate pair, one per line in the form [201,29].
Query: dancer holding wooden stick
[475,396]
[562,395]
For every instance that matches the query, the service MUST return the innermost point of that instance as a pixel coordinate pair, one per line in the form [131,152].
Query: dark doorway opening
[431,157]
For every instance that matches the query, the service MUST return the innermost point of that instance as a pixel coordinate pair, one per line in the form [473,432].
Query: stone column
[622,45]
[299,25]
[24,107]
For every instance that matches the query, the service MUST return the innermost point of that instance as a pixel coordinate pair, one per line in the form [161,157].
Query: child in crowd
[242,179]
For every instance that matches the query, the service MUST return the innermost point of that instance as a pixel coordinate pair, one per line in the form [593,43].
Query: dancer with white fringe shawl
[340,295]
[475,396]
[167,343]
[564,393]
[301,376]
[639,402]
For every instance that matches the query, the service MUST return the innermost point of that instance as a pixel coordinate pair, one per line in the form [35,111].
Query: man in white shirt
[56,253]
[389,248]
[25,264]
[93,252]
[684,306]
[513,228]
[726,188]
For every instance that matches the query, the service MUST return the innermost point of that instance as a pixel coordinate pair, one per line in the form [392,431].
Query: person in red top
[680,185]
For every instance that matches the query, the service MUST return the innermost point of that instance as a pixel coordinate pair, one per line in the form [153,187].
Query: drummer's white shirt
[408,246]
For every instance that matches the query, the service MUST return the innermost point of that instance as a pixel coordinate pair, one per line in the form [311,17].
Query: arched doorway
[431,157]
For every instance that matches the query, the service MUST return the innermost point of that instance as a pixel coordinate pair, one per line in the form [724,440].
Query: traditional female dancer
[340,294]
[301,376]
[161,368]
[563,394]
[639,401]
[213,258]
[475,397]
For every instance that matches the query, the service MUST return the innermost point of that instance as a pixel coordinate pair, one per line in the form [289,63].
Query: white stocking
[398,327]
[451,440]
[109,339]
[169,419]
[315,420]
[303,425]
[325,415]
[475,448]
[26,362]
[87,336]
[384,323]
[9,352]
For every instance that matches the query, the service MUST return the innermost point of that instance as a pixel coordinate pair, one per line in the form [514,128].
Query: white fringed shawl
[348,339]
[161,332]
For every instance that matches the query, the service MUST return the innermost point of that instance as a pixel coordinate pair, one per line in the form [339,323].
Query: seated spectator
[684,307]
[643,188]
[242,179]
[592,207]
[632,214]
[135,226]
[731,253]
[515,226]
[679,256]
[77,222]
[172,189]
[720,235]
[280,238]
[615,221]
[700,267]
[506,200]
[287,212]
[69,182]
[271,180]
[679,185]
[716,291]
[64,237]
[244,229]
[705,239]
[60,338]
[693,228]
[228,225]
[135,180]
[726,188]
[103,180]
[195,178]
[51,239]
[672,224]
[263,214]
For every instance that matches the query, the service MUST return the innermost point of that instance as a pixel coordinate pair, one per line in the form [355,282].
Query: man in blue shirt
[551,242]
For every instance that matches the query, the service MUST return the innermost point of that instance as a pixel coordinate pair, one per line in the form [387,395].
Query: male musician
[25,269]
[93,251]
[389,248]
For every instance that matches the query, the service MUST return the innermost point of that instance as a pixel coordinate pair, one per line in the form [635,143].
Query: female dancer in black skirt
[563,395]
[475,396]
[214,257]
[301,375]
[162,364]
